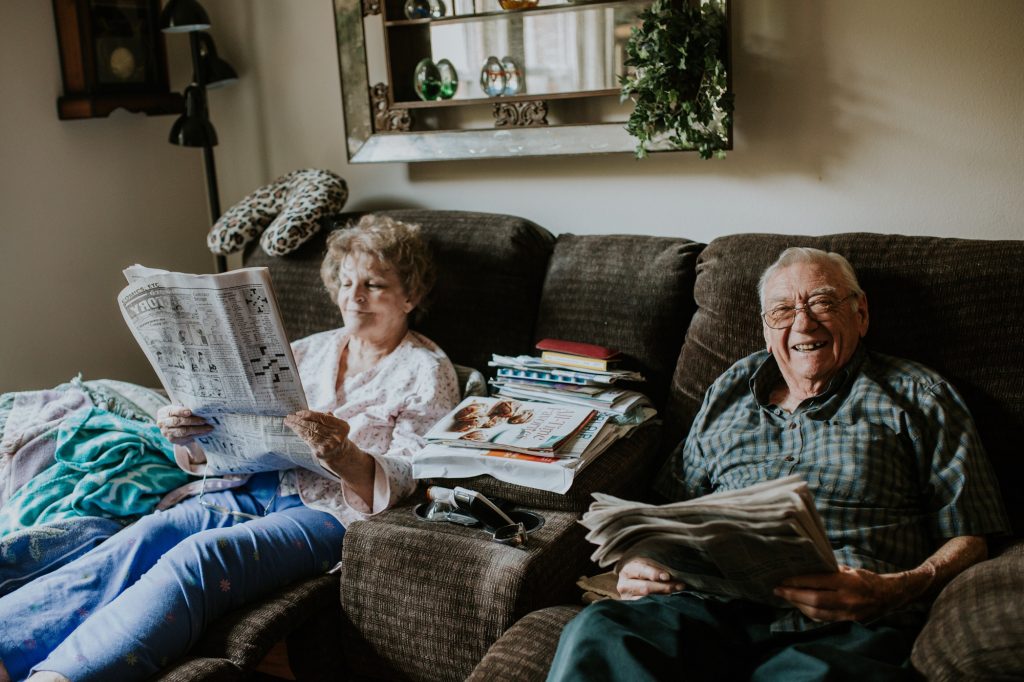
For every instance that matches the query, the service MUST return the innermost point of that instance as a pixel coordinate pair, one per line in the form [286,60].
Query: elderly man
[898,473]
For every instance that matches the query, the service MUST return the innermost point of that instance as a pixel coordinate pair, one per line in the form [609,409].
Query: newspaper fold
[739,543]
[218,346]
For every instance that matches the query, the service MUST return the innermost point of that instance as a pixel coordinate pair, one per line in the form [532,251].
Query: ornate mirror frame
[375,133]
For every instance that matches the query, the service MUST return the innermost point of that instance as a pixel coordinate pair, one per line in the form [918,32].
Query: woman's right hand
[179,425]
[641,577]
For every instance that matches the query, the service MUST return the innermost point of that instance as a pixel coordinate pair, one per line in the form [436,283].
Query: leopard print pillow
[286,212]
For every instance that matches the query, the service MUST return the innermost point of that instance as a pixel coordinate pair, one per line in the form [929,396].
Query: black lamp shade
[215,72]
[183,16]
[193,128]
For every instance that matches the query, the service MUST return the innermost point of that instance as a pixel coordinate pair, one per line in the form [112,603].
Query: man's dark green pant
[685,637]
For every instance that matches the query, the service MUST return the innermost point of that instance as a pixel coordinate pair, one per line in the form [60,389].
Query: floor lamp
[193,128]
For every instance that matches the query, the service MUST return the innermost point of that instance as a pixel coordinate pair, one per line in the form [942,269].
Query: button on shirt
[887,450]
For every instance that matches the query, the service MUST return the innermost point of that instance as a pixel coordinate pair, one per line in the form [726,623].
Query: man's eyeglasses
[819,308]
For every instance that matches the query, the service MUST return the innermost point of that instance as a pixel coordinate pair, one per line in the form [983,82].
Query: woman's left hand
[327,438]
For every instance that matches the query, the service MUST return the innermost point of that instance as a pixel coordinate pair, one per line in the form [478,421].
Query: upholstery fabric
[240,640]
[489,276]
[524,653]
[633,293]
[621,471]
[458,600]
[930,299]
[975,629]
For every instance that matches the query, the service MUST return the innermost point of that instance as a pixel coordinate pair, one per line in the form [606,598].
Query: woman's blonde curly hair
[393,244]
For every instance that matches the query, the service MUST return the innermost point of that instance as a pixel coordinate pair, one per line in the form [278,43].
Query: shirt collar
[767,376]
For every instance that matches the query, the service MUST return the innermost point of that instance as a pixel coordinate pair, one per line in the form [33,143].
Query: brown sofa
[441,602]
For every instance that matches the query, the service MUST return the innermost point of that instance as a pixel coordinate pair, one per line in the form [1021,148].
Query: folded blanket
[105,466]
[29,433]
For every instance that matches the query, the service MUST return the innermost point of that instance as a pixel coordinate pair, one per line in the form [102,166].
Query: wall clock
[112,56]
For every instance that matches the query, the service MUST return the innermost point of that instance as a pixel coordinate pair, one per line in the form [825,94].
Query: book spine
[539,375]
[577,361]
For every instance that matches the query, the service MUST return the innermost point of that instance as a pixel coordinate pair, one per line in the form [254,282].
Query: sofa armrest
[975,630]
[524,653]
[424,601]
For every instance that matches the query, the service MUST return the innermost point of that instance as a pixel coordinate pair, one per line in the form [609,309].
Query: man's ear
[767,338]
[862,315]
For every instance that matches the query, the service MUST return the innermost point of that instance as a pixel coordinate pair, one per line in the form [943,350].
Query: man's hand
[850,593]
[641,577]
[179,425]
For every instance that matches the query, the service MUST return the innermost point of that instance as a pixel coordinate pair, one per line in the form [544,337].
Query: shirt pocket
[866,464]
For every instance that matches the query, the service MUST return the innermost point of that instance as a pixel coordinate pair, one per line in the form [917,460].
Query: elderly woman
[374,387]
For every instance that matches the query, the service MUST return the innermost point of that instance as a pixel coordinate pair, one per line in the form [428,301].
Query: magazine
[218,346]
[513,425]
[739,543]
[554,474]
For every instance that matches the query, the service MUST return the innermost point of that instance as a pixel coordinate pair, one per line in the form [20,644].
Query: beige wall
[868,115]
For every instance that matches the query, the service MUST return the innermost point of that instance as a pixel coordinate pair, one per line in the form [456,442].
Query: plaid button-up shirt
[889,451]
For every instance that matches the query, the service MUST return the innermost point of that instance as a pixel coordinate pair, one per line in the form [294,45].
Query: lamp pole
[209,167]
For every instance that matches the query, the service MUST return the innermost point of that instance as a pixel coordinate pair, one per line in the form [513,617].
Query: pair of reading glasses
[224,510]
[820,309]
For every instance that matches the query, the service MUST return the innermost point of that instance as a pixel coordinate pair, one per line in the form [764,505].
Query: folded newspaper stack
[541,445]
[738,543]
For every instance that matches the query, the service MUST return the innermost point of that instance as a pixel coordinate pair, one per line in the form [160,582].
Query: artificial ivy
[679,81]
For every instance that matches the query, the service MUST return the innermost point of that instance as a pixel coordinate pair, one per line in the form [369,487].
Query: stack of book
[571,373]
[546,423]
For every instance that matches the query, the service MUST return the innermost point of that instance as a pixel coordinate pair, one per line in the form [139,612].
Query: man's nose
[803,320]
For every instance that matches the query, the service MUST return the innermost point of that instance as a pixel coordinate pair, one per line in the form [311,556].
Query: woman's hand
[641,577]
[179,425]
[327,438]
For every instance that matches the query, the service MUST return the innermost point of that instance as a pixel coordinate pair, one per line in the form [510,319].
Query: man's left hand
[848,594]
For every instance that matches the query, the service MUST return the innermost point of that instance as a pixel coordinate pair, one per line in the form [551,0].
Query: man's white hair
[804,254]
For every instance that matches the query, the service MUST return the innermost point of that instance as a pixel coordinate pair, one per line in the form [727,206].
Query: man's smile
[808,347]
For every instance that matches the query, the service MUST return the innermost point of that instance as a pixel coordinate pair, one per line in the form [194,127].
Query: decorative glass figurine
[513,77]
[437,9]
[518,4]
[417,9]
[427,80]
[449,78]
[493,78]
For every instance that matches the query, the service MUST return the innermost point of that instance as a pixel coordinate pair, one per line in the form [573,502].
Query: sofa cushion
[975,630]
[490,272]
[632,293]
[952,304]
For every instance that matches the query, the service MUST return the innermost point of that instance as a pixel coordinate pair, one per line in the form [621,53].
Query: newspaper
[740,543]
[218,346]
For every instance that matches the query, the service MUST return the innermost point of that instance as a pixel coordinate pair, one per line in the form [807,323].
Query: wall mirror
[427,80]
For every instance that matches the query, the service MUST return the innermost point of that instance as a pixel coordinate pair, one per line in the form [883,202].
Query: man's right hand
[641,577]
[179,425]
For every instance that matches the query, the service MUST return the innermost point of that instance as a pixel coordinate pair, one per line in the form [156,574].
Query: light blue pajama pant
[140,600]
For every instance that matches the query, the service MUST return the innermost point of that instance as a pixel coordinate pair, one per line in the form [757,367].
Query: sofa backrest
[632,293]
[489,277]
[951,304]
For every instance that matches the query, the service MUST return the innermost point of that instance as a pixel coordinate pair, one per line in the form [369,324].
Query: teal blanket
[106,466]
